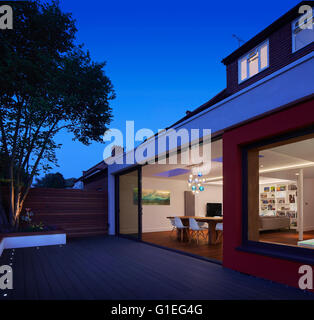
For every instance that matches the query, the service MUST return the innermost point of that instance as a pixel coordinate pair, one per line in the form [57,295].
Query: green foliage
[34,227]
[69,183]
[51,180]
[48,83]
[54,180]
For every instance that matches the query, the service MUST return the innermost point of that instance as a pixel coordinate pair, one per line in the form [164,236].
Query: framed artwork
[152,197]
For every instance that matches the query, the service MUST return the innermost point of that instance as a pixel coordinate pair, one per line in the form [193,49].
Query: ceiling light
[302,165]
[202,169]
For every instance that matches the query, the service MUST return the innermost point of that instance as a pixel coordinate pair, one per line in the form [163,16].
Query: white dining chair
[179,225]
[219,229]
[196,229]
[173,225]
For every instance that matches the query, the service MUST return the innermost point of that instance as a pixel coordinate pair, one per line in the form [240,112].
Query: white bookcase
[279,200]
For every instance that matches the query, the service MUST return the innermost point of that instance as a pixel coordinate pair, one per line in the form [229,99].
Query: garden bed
[31,239]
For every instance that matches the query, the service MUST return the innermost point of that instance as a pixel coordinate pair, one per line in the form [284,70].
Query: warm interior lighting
[302,165]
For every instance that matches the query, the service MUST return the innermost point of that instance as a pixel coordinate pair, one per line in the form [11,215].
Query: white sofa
[273,223]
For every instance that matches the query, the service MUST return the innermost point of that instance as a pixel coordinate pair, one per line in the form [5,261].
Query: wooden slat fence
[77,212]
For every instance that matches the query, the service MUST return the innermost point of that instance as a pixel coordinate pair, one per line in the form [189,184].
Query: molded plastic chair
[202,224]
[219,229]
[173,225]
[196,229]
[179,225]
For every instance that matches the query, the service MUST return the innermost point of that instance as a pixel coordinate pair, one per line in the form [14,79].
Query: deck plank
[116,268]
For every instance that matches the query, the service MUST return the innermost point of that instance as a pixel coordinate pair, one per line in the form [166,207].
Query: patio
[116,268]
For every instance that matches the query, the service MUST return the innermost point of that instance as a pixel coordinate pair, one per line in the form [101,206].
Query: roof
[217,98]
[99,167]
[284,19]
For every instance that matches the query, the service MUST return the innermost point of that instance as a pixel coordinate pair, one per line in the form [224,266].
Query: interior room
[170,190]
[286,193]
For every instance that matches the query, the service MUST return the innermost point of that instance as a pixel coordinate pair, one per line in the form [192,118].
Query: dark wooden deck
[113,268]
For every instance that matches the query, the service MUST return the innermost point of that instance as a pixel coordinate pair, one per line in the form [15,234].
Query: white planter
[32,241]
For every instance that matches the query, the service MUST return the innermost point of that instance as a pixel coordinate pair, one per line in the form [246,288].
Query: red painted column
[287,120]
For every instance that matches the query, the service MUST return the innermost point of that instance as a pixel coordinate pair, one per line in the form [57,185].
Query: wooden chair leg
[219,236]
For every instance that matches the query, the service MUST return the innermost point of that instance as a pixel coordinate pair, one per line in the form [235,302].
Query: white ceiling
[216,152]
[284,162]
[281,163]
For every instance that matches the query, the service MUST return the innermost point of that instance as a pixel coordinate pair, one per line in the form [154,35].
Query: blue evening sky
[163,58]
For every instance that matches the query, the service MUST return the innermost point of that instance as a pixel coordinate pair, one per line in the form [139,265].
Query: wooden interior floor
[168,239]
[290,237]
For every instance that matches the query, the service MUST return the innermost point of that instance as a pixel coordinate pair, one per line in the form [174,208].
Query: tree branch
[3,136]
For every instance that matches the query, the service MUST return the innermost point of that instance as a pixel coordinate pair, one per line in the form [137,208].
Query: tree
[69,183]
[48,83]
[51,180]
[54,180]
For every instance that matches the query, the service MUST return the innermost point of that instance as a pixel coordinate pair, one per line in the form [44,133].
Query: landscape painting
[152,197]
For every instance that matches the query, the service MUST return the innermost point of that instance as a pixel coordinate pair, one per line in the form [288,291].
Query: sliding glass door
[129,204]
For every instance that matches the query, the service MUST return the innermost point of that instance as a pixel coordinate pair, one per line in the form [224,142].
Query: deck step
[83,233]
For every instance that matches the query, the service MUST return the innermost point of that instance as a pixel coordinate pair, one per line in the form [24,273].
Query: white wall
[155,216]
[308,213]
[211,194]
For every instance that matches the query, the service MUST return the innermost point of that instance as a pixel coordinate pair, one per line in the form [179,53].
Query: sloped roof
[247,46]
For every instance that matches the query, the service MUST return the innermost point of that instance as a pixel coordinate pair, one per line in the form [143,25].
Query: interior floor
[290,237]
[169,239]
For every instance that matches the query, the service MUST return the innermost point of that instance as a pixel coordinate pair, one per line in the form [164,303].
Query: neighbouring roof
[247,46]
[99,167]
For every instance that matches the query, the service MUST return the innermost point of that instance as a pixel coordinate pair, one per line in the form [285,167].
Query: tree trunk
[3,216]
[11,193]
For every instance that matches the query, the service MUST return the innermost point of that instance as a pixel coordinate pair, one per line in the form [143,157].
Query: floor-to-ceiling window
[280,191]
[129,203]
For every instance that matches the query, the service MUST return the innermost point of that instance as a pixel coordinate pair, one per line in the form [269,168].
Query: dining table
[214,236]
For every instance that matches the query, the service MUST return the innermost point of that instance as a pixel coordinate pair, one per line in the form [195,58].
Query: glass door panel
[130,204]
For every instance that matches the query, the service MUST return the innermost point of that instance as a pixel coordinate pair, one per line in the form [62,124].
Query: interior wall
[308,213]
[211,194]
[155,216]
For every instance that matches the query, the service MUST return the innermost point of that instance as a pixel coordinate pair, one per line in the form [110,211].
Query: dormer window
[302,32]
[254,62]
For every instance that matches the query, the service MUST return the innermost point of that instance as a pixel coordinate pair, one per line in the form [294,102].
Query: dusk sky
[163,58]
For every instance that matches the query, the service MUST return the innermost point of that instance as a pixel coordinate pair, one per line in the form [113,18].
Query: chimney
[116,150]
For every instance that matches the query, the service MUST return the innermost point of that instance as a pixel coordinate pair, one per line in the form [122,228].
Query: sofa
[273,223]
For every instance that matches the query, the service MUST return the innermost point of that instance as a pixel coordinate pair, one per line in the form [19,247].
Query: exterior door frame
[117,202]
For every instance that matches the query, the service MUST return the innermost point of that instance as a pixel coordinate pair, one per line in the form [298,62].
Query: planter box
[34,239]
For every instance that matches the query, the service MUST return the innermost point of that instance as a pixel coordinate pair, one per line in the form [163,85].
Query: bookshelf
[279,200]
